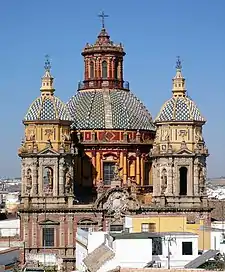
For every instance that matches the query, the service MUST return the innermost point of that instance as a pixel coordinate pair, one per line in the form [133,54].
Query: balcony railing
[101,83]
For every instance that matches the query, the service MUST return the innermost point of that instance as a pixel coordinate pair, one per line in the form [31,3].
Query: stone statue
[100,187]
[133,188]
[116,172]
[68,182]
[49,178]
[29,180]
[164,181]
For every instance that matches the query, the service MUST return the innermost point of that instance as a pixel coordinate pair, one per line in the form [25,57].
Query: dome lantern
[47,80]
[179,81]
[103,63]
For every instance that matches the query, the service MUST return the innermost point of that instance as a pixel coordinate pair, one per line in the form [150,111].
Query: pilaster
[61,176]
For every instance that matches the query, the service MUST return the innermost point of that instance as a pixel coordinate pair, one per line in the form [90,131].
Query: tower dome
[47,106]
[103,100]
[180,107]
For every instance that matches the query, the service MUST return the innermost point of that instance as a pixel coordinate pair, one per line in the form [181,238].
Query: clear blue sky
[153,32]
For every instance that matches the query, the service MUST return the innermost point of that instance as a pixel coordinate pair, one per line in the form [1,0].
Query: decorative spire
[47,79]
[103,16]
[179,81]
[178,63]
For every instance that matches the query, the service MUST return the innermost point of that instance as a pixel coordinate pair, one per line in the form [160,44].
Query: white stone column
[23,180]
[34,177]
[196,181]
[61,176]
[170,180]
[62,232]
[70,219]
[34,229]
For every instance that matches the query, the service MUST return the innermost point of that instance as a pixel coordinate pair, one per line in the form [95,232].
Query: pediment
[48,152]
[184,151]
[49,222]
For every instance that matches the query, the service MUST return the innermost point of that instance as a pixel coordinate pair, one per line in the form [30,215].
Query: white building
[101,251]
[9,227]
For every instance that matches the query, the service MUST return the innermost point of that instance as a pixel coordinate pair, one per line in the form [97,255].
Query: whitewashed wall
[135,253]
[177,260]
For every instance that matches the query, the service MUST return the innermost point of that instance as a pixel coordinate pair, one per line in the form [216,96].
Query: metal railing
[99,83]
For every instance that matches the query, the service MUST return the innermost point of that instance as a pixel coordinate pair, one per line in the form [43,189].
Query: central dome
[109,109]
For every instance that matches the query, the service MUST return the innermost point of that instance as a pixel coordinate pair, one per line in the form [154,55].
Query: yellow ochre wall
[175,224]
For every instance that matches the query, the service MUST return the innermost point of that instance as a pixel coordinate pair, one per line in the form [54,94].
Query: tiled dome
[47,108]
[109,109]
[179,109]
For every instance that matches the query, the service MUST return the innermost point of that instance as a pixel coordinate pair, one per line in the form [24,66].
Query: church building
[99,157]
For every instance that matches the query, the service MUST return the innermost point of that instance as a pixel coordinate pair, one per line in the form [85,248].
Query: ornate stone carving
[100,188]
[165,134]
[116,172]
[30,135]
[163,181]
[68,181]
[49,132]
[117,204]
[28,180]
[183,133]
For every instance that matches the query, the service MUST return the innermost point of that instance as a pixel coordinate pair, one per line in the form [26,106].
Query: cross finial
[47,63]
[103,16]
[178,63]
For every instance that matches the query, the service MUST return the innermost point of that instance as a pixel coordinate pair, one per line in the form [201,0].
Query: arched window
[47,178]
[183,181]
[104,69]
[116,66]
[87,225]
[92,71]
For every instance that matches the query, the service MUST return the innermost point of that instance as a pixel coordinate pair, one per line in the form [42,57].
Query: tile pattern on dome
[138,116]
[179,109]
[182,111]
[88,112]
[97,112]
[120,118]
[33,111]
[48,110]
[167,111]
[195,113]
[62,110]
[80,108]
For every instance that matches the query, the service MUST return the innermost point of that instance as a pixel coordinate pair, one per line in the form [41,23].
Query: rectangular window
[48,237]
[116,227]
[108,172]
[187,248]
[148,227]
[157,246]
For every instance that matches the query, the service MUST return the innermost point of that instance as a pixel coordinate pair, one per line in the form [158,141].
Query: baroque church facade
[100,156]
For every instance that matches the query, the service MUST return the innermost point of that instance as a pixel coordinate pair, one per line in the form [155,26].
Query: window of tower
[48,236]
[116,69]
[104,69]
[108,172]
[92,71]
[183,180]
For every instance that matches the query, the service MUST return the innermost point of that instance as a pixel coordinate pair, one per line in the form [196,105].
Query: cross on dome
[103,16]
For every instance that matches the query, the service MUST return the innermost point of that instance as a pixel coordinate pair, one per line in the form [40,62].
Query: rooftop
[146,235]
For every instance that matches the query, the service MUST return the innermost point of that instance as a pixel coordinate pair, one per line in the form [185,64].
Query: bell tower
[179,151]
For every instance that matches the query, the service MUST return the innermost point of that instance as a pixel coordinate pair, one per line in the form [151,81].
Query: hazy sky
[153,33]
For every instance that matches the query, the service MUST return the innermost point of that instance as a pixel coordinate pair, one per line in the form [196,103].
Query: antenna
[169,241]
